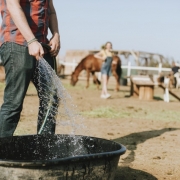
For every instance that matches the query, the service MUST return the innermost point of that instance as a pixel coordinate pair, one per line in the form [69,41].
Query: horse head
[74,79]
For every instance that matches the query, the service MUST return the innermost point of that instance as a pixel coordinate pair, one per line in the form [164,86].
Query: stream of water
[57,106]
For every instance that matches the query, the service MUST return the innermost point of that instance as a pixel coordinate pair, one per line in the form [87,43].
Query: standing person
[174,70]
[106,56]
[24,27]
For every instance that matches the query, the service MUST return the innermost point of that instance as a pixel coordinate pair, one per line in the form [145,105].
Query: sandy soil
[149,130]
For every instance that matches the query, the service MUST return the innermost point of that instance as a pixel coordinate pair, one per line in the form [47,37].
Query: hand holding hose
[55,45]
[36,50]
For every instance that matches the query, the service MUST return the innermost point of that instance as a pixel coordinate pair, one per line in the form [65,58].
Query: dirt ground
[149,130]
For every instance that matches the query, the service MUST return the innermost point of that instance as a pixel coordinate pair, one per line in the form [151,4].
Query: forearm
[53,22]
[98,56]
[19,19]
[53,25]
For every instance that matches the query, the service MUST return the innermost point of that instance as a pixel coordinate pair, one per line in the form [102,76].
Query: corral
[133,60]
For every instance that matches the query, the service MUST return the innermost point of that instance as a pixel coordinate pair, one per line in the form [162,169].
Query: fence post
[129,68]
[74,65]
[160,67]
[129,71]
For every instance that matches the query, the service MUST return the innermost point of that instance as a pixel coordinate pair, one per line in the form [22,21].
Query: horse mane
[80,64]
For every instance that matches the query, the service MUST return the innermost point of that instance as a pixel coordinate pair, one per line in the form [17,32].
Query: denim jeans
[106,66]
[19,68]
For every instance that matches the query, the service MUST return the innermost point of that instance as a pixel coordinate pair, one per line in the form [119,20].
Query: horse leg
[117,80]
[95,79]
[88,76]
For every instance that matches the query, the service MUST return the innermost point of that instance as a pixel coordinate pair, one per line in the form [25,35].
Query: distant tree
[167,63]
[154,62]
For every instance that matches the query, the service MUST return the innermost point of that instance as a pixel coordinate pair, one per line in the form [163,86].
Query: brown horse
[91,64]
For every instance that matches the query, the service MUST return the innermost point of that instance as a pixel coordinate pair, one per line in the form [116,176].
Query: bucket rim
[58,161]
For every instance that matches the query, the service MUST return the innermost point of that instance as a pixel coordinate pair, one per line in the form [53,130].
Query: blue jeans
[19,68]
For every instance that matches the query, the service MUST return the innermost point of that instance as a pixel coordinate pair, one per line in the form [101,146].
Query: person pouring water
[23,31]
[106,56]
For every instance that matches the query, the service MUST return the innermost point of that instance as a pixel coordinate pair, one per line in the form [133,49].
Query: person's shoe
[108,96]
[103,96]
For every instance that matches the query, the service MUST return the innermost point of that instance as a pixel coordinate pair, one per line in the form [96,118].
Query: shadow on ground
[158,98]
[124,172]
[127,173]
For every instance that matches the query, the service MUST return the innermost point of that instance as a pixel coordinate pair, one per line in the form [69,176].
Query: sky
[152,26]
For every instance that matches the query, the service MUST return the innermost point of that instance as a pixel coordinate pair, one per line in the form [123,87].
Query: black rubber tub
[58,157]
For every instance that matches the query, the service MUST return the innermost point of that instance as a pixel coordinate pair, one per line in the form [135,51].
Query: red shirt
[37,14]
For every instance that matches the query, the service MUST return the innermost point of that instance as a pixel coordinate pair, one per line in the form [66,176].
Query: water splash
[56,106]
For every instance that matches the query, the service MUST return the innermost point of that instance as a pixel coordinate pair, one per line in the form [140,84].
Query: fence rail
[129,67]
